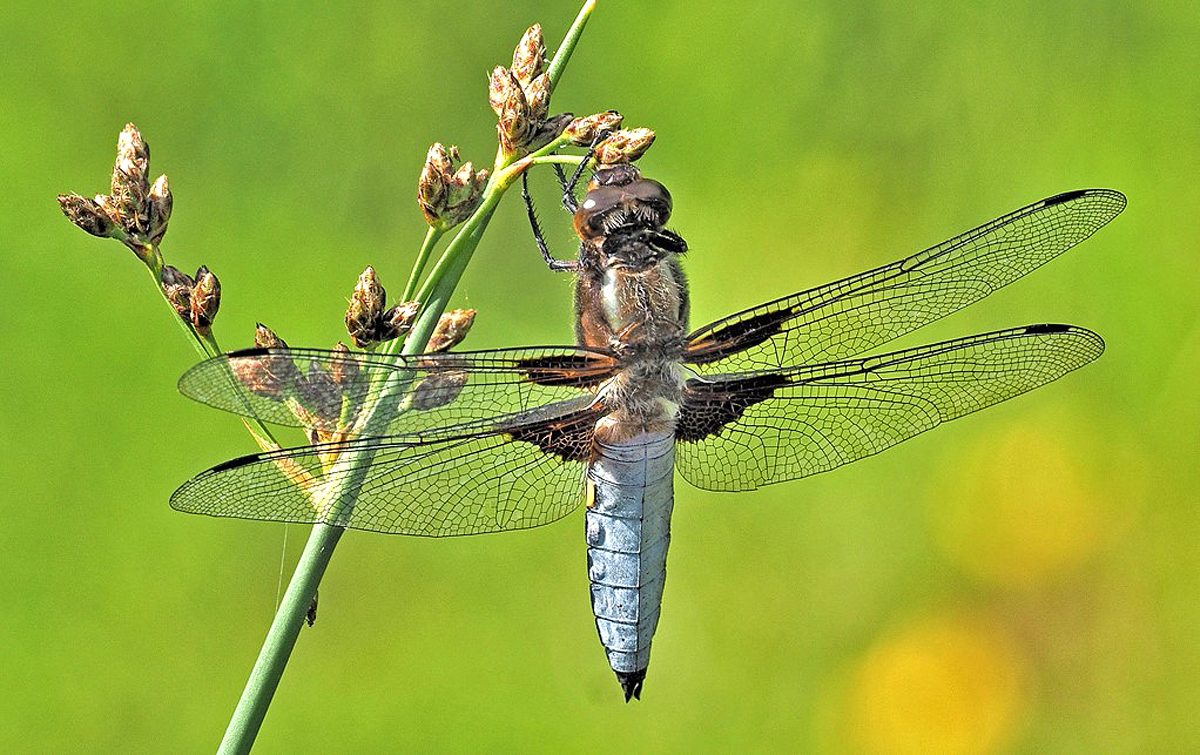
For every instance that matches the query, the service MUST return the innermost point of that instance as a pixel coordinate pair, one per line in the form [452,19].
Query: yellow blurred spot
[944,685]
[1030,502]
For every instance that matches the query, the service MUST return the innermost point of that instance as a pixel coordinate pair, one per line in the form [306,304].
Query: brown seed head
[206,300]
[177,287]
[431,188]
[86,214]
[548,131]
[537,95]
[266,338]
[438,389]
[513,124]
[398,320]
[624,146]
[130,185]
[451,329]
[583,131]
[448,196]
[529,57]
[343,371]
[320,396]
[270,375]
[161,202]
[364,316]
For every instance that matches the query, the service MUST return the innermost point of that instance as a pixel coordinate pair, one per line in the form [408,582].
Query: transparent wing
[523,474]
[326,390]
[742,431]
[858,313]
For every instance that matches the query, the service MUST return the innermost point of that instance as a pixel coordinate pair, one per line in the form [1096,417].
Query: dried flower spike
[514,124]
[161,203]
[529,57]
[177,287]
[270,375]
[206,300]
[266,338]
[364,316]
[343,371]
[520,96]
[87,214]
[447,195]
[451,329]
[583,131]
[438,389]
[624,146]
[399,319]
[130,185]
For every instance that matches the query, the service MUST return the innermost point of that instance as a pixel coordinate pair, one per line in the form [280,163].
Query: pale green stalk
[434,296]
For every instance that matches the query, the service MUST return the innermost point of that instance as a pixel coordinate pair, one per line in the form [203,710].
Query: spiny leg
[568,186]
[538,237]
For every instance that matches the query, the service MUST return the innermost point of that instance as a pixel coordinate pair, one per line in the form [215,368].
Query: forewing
[521,475]
[326,390]
[858,313]
[742,431]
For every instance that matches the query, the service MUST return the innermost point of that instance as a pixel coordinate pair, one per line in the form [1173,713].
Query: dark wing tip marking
[1068,196]
[1048,328]
[240,461]
[253,351]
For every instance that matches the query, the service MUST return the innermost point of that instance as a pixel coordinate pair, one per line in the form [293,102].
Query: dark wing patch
[568,437]
[858,313]
[737,336]
[575,370]
[711,404]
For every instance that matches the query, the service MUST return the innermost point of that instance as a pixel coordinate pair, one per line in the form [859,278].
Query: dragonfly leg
[568,184]
[538,237]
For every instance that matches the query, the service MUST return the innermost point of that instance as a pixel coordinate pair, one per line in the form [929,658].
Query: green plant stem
[563,54]
[432,236]
[268,669]
[206,345]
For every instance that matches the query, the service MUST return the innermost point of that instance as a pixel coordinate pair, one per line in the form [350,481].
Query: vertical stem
[431,239]
[435,295]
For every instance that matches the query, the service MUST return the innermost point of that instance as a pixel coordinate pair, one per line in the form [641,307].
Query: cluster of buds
[196,300]
[520,97]
[448,195]
[135,211]
[612,144]
[368,318]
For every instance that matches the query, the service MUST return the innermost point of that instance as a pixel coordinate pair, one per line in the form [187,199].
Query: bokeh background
[1022,580]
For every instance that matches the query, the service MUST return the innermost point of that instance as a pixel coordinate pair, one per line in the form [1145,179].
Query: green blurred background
[1022,580]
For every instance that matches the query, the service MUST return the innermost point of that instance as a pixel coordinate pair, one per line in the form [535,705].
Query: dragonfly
[506,439]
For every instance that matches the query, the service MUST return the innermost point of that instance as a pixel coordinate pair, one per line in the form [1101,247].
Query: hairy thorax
[641,314]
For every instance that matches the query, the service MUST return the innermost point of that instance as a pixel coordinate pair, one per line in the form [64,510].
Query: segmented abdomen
[628,530]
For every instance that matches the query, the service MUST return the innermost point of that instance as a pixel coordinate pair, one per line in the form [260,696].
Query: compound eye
[653,194]
[590,215]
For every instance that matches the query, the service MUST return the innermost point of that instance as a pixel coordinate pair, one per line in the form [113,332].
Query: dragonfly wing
[858,313]
[742,431]
[459,481]
[327,390]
